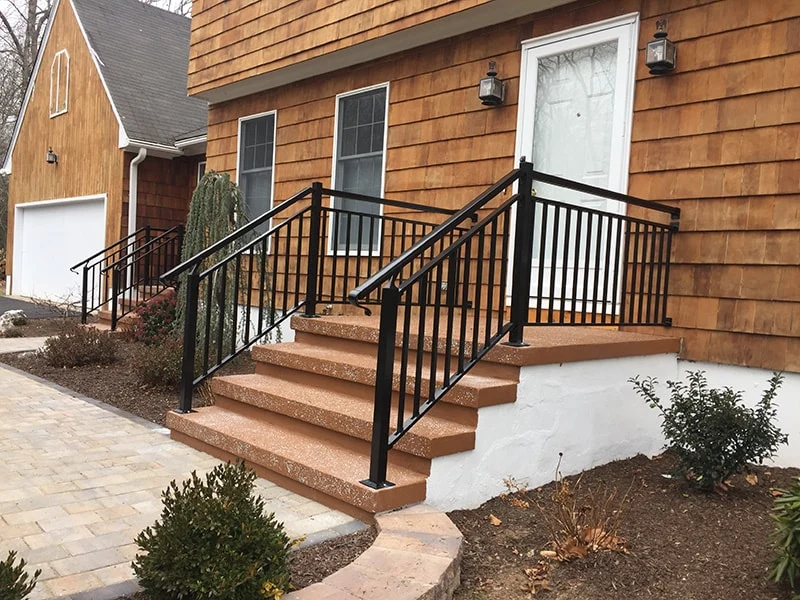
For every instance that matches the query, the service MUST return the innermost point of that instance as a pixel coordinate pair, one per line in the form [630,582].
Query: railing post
[313,250]
[189,338]
[85,294]
[523,256]
[379,455]
[114,292]
[147,263]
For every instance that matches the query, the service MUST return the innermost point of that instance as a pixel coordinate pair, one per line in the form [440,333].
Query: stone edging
[416,556]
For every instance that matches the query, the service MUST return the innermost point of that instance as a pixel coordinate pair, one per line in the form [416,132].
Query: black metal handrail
[137,277]
[95,276]
[241,289]
[440,319]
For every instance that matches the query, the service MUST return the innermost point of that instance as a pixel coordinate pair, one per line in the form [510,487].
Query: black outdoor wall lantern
[661,52]
[492,90]
[51,157]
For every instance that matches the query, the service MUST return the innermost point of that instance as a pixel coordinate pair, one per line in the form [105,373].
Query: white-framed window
[201,170]
[359,164]
[59,83]
[256,162]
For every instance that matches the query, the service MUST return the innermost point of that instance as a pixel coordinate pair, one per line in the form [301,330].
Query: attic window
[59,83]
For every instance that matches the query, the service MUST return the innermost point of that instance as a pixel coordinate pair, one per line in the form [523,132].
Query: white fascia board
[480,17]
[123,136]
[192,141]
[154,149]
[29,89]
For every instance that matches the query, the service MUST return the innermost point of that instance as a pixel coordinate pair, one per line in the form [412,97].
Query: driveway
[33,311]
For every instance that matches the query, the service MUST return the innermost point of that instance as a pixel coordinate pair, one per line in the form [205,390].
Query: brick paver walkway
[79,480]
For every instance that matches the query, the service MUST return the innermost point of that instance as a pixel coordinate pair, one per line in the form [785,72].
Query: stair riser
[321,432]
[368,348]
[465,415]
[460,394]
[351,492]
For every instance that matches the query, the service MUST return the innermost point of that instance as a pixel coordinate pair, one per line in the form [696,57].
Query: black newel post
[523,256]
[85,294]
[313,250]
[379,455]
[189,338]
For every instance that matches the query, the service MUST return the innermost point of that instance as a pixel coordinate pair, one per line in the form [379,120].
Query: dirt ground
[680,543]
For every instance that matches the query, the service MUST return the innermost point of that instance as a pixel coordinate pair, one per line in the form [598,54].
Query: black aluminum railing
[291,258]
[97,271]
[441,316]
[137,277]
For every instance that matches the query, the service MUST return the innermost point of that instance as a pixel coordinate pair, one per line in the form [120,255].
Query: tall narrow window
[256,160]
[59,83]
[361,127]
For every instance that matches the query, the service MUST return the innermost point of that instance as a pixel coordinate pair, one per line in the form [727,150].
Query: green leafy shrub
[15,583]
[214,542]
[154,320]
[713,433]
[786,567]
[161,364]
[75,346]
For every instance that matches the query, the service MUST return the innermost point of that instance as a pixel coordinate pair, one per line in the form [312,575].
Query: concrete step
[317,463]
[360,366]
[323,403]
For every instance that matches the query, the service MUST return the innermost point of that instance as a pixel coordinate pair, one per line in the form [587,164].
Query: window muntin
[361,129]
[256,162]
[59,83]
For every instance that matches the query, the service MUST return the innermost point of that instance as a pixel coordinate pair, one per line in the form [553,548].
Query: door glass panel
[575,119]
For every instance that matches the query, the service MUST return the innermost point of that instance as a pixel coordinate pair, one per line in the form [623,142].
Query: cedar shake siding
[719,137]
[165,190]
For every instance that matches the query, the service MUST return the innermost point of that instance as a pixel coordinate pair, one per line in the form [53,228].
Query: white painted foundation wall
[590,413]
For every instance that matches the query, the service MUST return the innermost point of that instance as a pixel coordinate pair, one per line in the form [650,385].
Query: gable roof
[142,56]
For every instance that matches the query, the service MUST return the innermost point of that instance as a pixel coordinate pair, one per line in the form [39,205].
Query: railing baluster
[597,254]
[650,275]
[423,292]
[565,265]
[634,273]
[553,261]
[586,269]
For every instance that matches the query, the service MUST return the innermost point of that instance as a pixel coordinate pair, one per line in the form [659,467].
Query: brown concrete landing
[546,344]
[417,555]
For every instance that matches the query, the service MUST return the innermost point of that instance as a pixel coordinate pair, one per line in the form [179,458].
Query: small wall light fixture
[51,157]
[492,90]
[661,52]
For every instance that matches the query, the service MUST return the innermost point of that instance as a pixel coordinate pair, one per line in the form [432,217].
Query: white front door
[576,104]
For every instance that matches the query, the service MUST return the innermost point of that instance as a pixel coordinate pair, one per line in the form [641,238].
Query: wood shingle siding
[236,39]
[719,137]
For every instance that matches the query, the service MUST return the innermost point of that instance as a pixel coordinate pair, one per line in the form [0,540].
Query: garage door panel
[49,239]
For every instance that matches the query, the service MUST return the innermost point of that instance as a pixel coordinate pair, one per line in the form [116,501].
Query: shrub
[15,583]
[214,542]
[786,566]
[160,365]
[711,431]
[155,318]
[75,346]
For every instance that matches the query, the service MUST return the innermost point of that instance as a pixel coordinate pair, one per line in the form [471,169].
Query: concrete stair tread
[338,411]
[471,390]
[317,463]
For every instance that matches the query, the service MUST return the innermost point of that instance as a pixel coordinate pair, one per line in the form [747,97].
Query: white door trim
[562,41]
[19,220]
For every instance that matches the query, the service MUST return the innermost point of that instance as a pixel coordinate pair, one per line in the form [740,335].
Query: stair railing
[95,270]
[293,257]
[441,317]
[136,277]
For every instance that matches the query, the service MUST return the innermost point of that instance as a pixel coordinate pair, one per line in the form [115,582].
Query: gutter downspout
[133,195]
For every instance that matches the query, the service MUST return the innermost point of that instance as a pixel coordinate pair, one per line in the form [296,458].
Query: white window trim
[58,58]
[201,171]
[243,120]
[331,249]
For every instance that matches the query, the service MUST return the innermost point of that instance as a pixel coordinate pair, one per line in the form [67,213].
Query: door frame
[596,32]
[19,227]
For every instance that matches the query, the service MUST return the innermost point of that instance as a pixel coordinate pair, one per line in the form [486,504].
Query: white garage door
[49,238]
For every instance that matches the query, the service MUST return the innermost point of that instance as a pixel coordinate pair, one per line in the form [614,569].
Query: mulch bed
[42,327]
[681,544]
